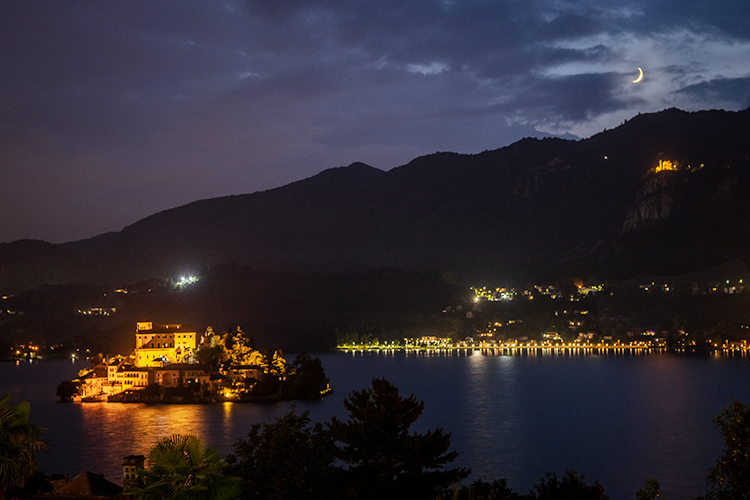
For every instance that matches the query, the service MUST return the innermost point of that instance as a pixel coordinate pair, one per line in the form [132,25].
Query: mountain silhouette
[537,209]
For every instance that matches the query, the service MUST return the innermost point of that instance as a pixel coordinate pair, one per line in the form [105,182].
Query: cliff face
[655,201]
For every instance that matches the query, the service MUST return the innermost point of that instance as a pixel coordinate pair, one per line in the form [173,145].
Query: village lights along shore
[171,363]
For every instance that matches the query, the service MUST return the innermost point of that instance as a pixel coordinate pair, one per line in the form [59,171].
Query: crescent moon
[640,76]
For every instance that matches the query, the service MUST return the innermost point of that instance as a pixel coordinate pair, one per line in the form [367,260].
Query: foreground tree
[180,468]
[481,490]
[651,491]
[285,459]
[19,441]
[570,487]
[729,479]
[383,459]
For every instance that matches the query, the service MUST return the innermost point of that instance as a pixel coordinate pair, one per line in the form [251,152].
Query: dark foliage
[269,385]
[183,393]
[383,459]
[152,390]
[310,381]
[215,357]
[651,491]
[19,441]
[288,458]
[481,490]
[570,487]
[67,389]
[729,479]
[372,455]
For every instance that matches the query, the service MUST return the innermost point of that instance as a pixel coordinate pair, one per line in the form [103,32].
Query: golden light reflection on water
[111,431]
[135,427]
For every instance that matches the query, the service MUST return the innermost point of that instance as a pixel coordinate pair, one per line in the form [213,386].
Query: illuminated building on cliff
[665,165]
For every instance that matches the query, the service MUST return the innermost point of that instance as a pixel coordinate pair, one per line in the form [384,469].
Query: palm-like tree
[19,440]
[180,468]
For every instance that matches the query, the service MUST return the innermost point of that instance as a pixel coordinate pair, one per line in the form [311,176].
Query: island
[172,363]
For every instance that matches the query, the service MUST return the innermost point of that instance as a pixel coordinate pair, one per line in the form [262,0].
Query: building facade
[157,346]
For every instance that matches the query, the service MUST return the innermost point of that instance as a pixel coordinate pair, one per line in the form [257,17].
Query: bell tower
[130,479]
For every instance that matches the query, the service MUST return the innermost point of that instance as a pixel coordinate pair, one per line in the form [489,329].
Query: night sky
[113,110]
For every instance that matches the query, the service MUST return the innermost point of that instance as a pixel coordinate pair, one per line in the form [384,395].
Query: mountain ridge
[538,208]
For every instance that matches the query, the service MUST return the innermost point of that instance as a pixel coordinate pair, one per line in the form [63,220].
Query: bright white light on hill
[185,281]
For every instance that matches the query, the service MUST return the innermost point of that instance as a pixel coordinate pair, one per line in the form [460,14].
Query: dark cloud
[114,110]
[730,90]
[574,98]
[724,17]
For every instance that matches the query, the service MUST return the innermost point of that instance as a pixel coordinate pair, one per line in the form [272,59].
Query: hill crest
[538,208]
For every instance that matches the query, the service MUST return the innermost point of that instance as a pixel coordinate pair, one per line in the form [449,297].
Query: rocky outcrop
[655,201]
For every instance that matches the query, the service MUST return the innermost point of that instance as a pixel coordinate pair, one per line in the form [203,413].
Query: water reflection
[491,411]
[98,435]
[134,427]
[619,417]
[112,431]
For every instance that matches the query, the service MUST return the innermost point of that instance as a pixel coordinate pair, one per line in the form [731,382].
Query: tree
[285,459]
[152,390]
[19,441]
[383,459]
[729,479]
[215,357]
[239,347]
[180,468]
[481,490]
[310,380]
[212,350]
[651,491]
[257,358]
[570,487]
[276,364]
[67,389]
[249,339]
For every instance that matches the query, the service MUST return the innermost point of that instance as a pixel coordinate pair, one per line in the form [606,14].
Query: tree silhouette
[729,479]
[570,487]
[285,459]
[651,491]
[482,490]
[19,440]
[310,380]
[383,459]
[67,389]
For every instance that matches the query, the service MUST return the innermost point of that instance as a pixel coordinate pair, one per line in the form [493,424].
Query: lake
[616,417]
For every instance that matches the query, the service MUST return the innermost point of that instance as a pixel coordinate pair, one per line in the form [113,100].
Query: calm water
[616,418]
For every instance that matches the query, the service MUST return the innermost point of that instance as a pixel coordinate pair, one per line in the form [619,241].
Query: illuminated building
[665,165]
[164,344]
